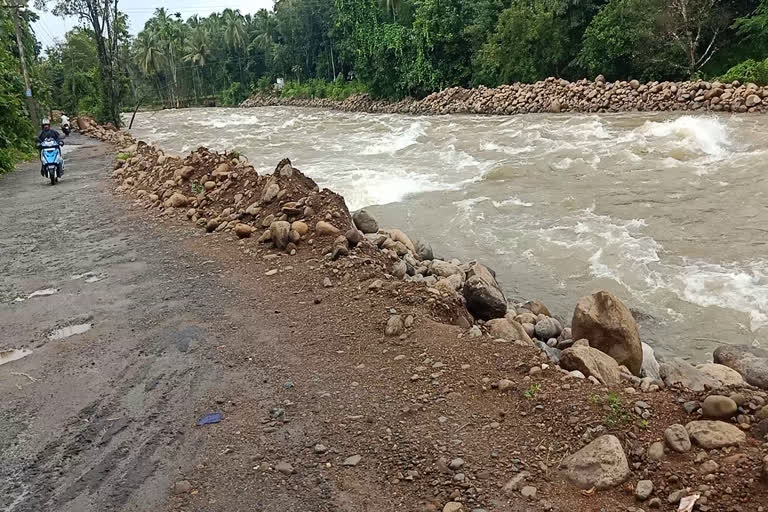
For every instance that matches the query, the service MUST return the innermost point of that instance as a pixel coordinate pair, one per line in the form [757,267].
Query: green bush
[16,131]
[338,90]
[748,71]
[234,95]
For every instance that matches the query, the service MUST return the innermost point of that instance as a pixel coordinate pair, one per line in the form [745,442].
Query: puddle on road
[6,356]
[43,293]
[90,277]
[70,330]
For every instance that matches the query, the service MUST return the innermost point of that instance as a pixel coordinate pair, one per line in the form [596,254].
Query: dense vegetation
[390,48]
[16,129]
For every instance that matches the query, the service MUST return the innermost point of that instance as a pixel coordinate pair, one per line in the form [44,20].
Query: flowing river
[669,211]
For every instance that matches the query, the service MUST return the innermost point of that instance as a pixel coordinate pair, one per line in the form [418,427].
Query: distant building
[279,84]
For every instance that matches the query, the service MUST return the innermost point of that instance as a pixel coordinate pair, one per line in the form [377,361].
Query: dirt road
[104,420]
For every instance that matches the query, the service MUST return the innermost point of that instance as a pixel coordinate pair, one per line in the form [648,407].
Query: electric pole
[28,92]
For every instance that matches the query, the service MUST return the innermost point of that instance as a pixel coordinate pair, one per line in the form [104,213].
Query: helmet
[45,121]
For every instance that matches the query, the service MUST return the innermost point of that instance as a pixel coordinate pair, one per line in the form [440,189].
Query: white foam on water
[512,201]
[397,140]
[366,187]
[740,287]
[706,135]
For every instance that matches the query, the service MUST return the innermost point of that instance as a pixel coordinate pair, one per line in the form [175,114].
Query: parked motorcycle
[51,160]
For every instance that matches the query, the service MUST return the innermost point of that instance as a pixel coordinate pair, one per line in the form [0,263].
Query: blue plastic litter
[208,419]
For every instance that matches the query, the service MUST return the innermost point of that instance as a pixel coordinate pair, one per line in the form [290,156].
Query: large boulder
[442,268]
[601,464]
[591,361]
[399,236]
[365,222]
[508,330]
[726,376]
[678,372]
[750,362]
[609,326]
[711,435]
[483,295]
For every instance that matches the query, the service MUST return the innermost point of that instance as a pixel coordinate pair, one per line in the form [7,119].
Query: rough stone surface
[323,228]
[750,362]
[484,297]
[395,326]
[651,366]
[678,372]
[548,328]
[590,361]
[655,451]
[365,222]
[718,407]
[610,327]
[280,231]
[508,330]
[726,376]
[601,464]
[714,434]
[677,438]
[643,490]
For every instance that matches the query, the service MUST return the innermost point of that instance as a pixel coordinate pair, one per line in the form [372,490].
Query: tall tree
[103,17]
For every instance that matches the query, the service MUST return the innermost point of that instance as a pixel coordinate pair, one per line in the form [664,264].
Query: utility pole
[28,92]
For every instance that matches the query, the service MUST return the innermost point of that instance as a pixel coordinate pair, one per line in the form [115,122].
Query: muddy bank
[283,214]
[554,95]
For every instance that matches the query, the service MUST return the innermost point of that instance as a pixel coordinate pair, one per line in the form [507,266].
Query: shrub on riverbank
[316,88]
[748,71]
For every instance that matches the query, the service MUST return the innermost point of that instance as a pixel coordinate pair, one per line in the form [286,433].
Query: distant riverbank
[553,95]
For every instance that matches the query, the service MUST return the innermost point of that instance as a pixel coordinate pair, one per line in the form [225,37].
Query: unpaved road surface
[105,420]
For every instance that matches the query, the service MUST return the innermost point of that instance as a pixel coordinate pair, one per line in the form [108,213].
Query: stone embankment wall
[555,95]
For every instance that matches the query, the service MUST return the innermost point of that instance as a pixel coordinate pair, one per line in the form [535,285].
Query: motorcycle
[66,128]
[51,160]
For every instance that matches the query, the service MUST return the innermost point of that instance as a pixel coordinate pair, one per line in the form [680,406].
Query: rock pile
[555,95]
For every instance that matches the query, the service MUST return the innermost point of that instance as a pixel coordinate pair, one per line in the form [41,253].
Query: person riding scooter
[46,133]
[65,126]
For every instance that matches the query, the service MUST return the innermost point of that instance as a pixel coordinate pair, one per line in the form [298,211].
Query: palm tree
[266,29]
[197,52]
[234,28]
[393,6]
[149,54]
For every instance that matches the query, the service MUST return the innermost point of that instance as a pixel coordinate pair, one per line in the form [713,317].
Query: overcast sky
[51,27]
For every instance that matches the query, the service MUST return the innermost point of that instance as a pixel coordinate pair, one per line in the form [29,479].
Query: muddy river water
[668,211]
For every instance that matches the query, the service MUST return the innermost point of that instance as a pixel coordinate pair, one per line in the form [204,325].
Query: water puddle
[70,330]
[43,293]
[7,356]
[90,277]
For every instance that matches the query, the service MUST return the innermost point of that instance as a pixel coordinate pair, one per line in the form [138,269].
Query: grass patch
[124,156]
[532,391]
[617,414]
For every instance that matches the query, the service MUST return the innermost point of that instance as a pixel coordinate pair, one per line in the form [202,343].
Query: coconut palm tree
[197,52]
[234,28]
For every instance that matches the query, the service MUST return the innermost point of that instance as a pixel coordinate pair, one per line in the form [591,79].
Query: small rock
[182,487]
[284,468]
[528,492]
[320,449]
[708,466]
[677,438]
[718,407]
[516,482]
[453,506]
[691,406]
[327,283]
[548,328]
[601,464]
[456,463]
[654,503]
[323,228]
[656,451]
[354,460]
[395,326]
[365,222]
[643,490]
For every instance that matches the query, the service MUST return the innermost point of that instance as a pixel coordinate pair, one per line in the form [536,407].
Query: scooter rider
[48,133]
[65,127]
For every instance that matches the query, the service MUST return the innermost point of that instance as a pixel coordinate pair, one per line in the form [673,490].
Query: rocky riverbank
[669,431]
[554,95]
